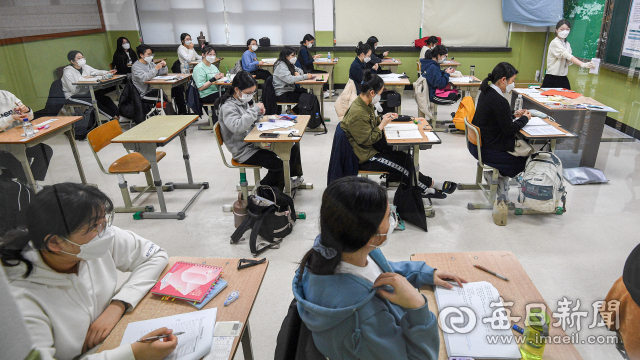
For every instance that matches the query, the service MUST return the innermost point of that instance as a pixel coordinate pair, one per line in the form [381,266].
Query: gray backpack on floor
[541,183]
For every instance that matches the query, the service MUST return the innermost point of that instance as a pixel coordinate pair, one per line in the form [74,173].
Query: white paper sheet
[227,328]
[596,68]
[536,121]
[192,345]
[270,60]
[542,130]
[477,296]
[432,136]
[402,134]
[220,348]
[390,77]
[168,77]
[462,79]
[275,124]
[90,79]
[401,127]
[528,91]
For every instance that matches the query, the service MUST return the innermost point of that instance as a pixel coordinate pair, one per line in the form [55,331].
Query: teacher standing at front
[559,58]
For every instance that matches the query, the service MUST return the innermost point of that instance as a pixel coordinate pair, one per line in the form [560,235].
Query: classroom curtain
[285,22]
[532,12]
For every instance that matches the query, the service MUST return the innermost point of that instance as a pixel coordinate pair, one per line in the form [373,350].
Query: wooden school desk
[156,132]
[587,123]
[551,138]
[417,144]
[390,64]
[323,64]
[97,85]
[166,85]
[267,66]
[246,281]
[282,146]
[449,63]
[518,289]
[470,88]
[397,86]
[315,87]
[12,142]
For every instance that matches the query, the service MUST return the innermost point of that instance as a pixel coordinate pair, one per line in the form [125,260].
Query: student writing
[438,79]
[63,270]
[357,304]
[285,76]
[376,58]
[305,59]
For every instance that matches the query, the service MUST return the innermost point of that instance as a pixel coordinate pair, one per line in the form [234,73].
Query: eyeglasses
[100,228]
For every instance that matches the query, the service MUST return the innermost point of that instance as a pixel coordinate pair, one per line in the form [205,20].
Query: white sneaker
[296,181]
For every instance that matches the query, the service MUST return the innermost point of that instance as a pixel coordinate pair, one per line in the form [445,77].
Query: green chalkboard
[619,19]
[585,17]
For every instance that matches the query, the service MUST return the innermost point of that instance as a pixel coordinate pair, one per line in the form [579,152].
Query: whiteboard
[285,22]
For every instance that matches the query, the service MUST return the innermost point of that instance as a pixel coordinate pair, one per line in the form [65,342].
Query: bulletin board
[585,17]
[614,30]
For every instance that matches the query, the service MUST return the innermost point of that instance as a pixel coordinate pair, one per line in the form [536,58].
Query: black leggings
[394,162]
[270,161]
[106,106]
[39,155]
[261,74]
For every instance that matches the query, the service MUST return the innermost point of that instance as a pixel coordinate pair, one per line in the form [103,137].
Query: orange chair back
[218,134]
[475,140]
[101,136]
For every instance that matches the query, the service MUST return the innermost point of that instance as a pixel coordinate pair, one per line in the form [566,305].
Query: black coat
[119,61]
[130,104]
[495,119]
[269,98]
[343,161]
[55,101]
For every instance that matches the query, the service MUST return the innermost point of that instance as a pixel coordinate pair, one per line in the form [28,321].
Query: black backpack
[308,105]
[14,199]
[88,122]
[270,214]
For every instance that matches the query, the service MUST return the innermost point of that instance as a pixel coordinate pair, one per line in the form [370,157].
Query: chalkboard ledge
[452,49]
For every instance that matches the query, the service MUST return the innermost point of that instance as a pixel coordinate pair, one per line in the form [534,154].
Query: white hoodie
[7,106]
[72,75]
[59,308]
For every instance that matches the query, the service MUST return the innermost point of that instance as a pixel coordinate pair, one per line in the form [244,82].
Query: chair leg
[150,186]
[128,205]
[256,176]
[478,182]
[244,184]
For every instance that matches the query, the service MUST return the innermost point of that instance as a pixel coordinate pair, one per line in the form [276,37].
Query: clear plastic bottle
[472,71]
[518,105]
[28,128]
[185,67]
[536,335]
[329,55]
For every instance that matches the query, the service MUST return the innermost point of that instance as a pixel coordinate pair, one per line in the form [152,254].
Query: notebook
[477,296]
[215,290]
[187,281]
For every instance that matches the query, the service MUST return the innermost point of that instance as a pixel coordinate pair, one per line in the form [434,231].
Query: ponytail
[362,48]
[306,38]
[243,80]
[436,51]
[370,82]
[502,70]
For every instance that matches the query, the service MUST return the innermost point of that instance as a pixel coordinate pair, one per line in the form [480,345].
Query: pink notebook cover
[187,281]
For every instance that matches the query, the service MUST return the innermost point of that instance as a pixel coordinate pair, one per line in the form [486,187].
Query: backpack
[14,199]
[236,68]
[88,122]
[270,214]
[308,105]
[541,183]
[466,109]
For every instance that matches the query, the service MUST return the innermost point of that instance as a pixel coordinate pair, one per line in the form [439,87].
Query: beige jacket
[421,94]
[347,96]
[559,57]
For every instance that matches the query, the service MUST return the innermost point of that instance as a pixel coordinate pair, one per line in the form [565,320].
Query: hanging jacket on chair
[193,98]
[130,104]
[56,99]
[269,98]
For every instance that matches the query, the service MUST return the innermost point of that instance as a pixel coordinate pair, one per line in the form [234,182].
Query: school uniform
[558,62]
[250,64]
[356,73]
[377,59]
[122,61]
[59,308]
[305,61]
[437,79]
[368,143]
[498,130]
[39,155]
[284,83]
[236,121]
[187,55]
[79,94]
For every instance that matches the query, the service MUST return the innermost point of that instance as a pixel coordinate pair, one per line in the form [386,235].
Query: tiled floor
[577,255]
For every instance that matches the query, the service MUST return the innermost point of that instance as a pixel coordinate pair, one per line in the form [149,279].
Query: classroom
[320,179]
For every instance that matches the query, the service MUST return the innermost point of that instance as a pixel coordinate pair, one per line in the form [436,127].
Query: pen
[151,338]
[490,272]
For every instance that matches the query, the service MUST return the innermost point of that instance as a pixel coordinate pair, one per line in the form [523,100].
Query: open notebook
[478,297]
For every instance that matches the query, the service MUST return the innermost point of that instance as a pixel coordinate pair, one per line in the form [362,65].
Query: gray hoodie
[236,121]
[145,72]
[283,81]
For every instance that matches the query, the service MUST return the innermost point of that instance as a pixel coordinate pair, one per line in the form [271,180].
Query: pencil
[490,272]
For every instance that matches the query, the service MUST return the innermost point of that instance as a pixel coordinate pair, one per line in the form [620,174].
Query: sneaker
[296,181]
[500,211]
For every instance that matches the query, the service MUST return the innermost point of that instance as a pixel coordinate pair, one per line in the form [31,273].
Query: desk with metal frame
[116,80]
[145,138]
[165,86]
[327,66]
[391,64]
[315,86]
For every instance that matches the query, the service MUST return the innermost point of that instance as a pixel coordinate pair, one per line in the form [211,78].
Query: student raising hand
[155,349]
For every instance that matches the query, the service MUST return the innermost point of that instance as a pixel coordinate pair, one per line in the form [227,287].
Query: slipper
[439,194]
[449,187]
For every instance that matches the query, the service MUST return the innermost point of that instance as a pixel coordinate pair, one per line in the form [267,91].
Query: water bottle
[28,128]
[472,72]
[185,67]
[329,55]
[536,333]
[518,103]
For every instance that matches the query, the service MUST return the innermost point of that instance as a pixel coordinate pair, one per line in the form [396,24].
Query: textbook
[215,290]
[187,281]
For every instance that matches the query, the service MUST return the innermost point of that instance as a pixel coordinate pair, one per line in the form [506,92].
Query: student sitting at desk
[250,61]
[285,76]
[359,65]
[305,59]
[343,284]
[12,113]
[79,94]
[238,115]
[438,79]
[432,41]
[365,133]
[204,75]
[186,51]
[63,271]
[124,57]
[376,58]
[144,70]
[499,125]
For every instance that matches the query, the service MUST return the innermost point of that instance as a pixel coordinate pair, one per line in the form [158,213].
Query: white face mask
[376,99]
[82,62]
[293,60]
[375,46]
[211,59]
[96,248]
[188,42]
[563,34]
[245,98]
[511,87]
[367,59]
[126,46]
[254,47]
[392,225]
[148,59]
[309,45]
